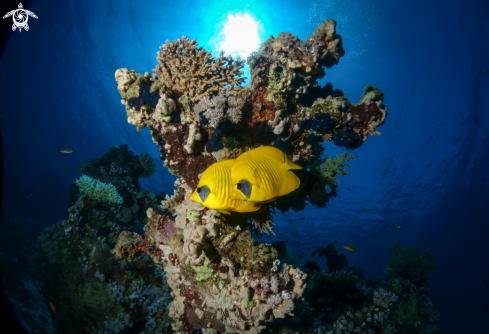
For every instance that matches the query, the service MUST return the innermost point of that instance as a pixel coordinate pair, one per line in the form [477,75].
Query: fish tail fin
[292,183]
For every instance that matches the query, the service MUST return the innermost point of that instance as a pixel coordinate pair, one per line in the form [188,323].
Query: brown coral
[193,72]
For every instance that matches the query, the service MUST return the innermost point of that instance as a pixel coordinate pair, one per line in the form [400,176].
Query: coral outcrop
[93,291]
[223,280]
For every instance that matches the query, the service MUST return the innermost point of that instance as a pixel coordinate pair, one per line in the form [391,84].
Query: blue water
[428,171]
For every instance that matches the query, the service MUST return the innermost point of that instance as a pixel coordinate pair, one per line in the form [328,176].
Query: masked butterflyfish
[214,190]
[262,174]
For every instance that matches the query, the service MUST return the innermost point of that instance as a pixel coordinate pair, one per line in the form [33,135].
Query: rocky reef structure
[342,301]
[91,289]
[223,280]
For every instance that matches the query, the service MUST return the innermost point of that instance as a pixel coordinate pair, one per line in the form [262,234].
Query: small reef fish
[301,256]
[214,189]
[303,218]
[39,294]
[395,226]
[335,241]
[52,307]
[484,281]
[427,236]
[297,242]
[262,174]
[65,150]
[350,248]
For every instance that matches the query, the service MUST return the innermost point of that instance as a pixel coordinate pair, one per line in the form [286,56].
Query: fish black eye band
[245,187]
[203,192]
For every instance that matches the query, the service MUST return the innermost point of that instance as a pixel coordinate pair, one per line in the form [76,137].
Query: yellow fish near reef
[214,190]
[262,174]
[350,248]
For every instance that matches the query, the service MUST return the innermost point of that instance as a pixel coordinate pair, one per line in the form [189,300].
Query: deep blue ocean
[428,171]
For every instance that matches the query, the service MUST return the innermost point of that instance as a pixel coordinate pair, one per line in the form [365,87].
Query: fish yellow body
[350,248]
[263,174]
[214,190]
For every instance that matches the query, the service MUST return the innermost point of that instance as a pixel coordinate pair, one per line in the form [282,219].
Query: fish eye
[203,192]
[245,187]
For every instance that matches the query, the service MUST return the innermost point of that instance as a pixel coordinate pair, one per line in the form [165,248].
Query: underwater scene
[292,167]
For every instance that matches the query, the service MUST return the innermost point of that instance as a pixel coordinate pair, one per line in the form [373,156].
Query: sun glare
[240,36]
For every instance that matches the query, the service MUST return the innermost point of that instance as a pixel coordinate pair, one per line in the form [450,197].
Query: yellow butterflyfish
[214,189]
[262,174]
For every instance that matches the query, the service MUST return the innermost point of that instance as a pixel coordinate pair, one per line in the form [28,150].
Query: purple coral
[166,230]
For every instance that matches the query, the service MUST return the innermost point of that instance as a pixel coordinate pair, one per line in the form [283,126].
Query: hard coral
[193,72]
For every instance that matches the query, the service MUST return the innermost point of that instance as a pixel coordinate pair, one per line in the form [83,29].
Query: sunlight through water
[239,36]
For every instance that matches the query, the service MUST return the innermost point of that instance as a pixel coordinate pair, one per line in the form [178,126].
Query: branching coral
[409,264]
[148,164]
[98,191]
[193,72]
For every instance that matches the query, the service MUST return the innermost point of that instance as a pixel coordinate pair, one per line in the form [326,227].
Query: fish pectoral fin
[224,211]
[292,182]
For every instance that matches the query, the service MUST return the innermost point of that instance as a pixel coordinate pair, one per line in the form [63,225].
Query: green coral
[192,214]
[203,272]
[327,170]
[132,92]
[247,304]
[231,143]
[409,264]
[98,191]
[414,310]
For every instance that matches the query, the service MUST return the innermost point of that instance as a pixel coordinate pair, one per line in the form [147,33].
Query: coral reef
[98,191]
[409,265]
[148,164]
[342,302]
[92,290]
[193,72]
[223,280]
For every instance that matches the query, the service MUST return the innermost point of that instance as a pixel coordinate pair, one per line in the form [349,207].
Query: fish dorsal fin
[290,164]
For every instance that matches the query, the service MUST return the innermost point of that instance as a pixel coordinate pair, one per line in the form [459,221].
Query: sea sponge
[98,191]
